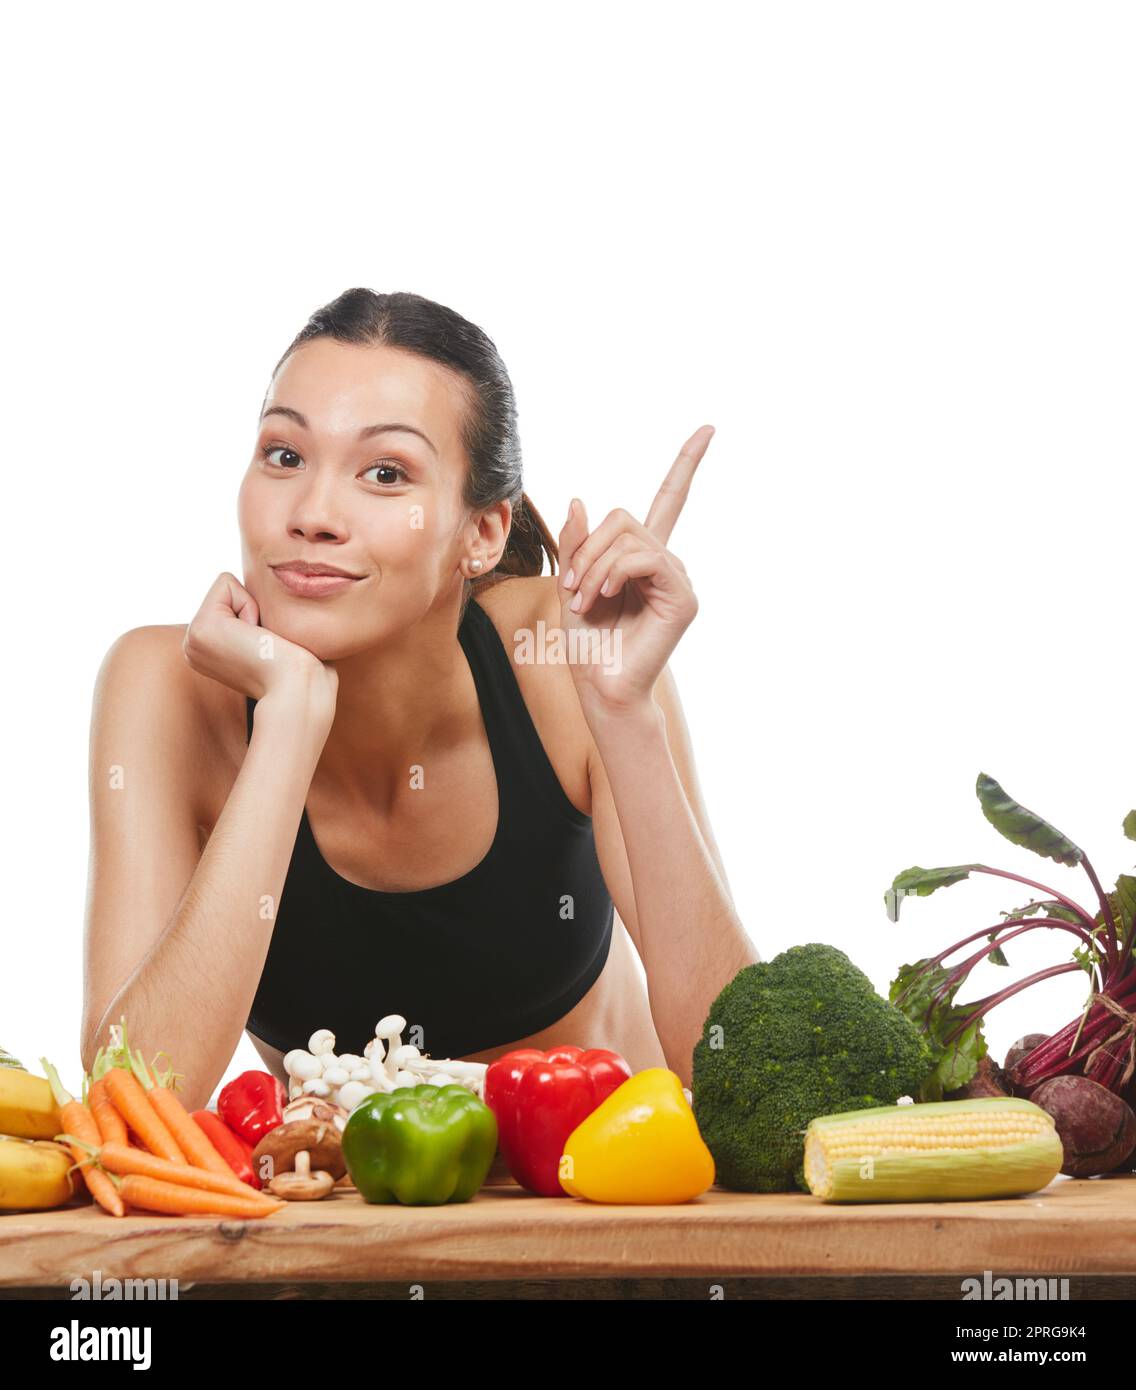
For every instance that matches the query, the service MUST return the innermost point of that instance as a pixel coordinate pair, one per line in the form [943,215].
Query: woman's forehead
[342,388]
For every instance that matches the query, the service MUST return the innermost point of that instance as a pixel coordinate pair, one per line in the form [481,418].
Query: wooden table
[508,1243]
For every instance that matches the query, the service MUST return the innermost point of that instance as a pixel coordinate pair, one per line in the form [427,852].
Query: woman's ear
[493,534]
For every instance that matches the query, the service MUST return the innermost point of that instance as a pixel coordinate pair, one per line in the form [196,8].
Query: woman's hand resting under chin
[226,643]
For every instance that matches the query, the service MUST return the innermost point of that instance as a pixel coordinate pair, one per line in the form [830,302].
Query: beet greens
[1101,1042]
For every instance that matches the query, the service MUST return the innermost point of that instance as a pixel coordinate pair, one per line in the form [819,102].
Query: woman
[339,794]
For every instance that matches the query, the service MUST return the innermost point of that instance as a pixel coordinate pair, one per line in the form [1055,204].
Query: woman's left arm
[629,600]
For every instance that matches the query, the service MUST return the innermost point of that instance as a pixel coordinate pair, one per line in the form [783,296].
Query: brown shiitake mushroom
[305,1156]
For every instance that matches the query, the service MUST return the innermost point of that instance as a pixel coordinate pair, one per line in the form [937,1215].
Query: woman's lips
[313,585]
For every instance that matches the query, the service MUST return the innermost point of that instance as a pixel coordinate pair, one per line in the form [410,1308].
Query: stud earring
[475,564]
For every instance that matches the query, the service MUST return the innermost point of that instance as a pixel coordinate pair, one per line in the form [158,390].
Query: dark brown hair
[489,429]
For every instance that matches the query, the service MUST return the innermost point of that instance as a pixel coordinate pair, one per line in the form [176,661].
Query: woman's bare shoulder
[520,600]
[516,606]
[208,716]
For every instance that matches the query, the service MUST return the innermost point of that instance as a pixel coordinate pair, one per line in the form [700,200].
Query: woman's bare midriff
[613,1014]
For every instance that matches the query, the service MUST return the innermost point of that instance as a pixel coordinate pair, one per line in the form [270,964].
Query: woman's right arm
[175,938]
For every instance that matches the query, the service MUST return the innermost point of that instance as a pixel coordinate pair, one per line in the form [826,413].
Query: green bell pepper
[420,1145]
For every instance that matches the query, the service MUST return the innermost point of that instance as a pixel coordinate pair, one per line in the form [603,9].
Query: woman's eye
[271,449]
[394,472]
[387,468]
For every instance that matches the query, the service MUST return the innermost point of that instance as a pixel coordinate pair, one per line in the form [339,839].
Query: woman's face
[326,485]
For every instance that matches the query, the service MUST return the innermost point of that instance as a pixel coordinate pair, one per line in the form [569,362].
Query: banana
[27,1106]
[33,1174]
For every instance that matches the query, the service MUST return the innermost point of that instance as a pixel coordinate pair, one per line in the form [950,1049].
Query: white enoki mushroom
[352,1094]
[302,1065]
[386,1063]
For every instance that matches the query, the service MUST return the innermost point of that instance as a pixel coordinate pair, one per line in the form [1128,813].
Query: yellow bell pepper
[640,1145]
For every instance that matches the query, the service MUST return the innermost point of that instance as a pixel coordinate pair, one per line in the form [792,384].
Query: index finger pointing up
[671,496]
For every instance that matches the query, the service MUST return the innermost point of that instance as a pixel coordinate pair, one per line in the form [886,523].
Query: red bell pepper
[236,1151]
[252,1104]
[539,1098]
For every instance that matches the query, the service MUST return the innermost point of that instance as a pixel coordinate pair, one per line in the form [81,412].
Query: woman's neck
[396,705]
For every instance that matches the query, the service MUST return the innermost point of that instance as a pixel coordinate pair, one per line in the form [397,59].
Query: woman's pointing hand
[620,585]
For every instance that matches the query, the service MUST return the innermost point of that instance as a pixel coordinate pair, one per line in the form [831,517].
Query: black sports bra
[486,959]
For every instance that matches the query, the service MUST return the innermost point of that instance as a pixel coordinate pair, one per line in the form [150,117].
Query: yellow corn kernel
[945,1151]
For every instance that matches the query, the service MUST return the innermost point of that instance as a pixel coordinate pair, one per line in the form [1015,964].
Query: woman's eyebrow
[365,433]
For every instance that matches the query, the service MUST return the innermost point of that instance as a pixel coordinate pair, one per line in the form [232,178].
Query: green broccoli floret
[802,1035]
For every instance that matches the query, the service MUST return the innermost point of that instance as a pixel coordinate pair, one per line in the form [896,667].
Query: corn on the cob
[27,1106]
[34,1174]
[944,1151]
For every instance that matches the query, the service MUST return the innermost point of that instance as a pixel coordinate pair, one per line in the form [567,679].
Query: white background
[886,249]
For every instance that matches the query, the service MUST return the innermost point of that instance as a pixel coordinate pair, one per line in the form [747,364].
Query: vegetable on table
[1099,1044]
[76,1119]
[539,1098]
[386,1062]
[640,1145]
[1096,1127]
[302,1159]
[236,1152]
[133,1104]
[124,1160]
[194,1143]
[935,1152]
[785,1041]
[1020,1050]
[132,1166]
[988,1080]
[252,1104]
[178,1199]
[420,1145]
[111,1126]
[115,1067]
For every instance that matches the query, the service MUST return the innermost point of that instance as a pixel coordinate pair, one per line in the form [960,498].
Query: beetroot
[1097,1128]
[988,1080]
[1018,1053]
[1128,1095]
[1100,1044]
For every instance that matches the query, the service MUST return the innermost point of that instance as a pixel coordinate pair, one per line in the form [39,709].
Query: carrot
[194,1142]
[127,1162]
[112,1130]
[175,1199]
[79,1122]
[132,1103]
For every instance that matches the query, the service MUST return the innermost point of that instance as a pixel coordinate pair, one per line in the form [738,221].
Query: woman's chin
[316,633]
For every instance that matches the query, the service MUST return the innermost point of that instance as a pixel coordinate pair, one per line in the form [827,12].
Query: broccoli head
[802,1035]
